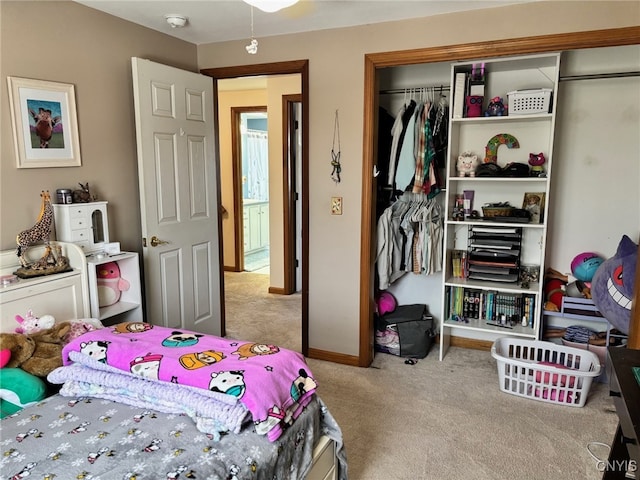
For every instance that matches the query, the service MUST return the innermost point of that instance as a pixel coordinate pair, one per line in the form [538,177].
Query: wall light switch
[336,205]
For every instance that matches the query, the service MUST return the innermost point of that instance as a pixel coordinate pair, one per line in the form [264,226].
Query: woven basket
[497,211]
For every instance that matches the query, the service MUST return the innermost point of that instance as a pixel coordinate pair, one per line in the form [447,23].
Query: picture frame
[533,202]
[45,123]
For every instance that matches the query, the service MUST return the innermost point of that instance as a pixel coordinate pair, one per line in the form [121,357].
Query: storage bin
[526,102]
[545,371]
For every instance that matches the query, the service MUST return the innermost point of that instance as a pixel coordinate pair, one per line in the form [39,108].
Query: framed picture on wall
[45,123]
[534,204]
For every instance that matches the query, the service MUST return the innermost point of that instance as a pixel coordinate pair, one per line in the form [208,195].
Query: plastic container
[526,102]
[545,371]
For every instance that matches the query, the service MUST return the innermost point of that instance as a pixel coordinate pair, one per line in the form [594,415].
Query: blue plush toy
[613,282]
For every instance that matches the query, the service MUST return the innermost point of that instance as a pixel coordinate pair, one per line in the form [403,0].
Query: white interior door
[178,196]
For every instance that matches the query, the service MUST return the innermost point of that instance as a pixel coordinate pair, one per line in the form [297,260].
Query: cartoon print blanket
[272,383]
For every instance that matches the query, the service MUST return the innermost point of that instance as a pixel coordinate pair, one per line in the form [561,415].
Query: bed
[89,438]
[110,425]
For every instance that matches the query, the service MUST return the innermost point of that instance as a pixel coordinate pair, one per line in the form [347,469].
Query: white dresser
[84,224]
[63,295]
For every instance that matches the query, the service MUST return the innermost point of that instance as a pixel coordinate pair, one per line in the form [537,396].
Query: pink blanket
[273,383]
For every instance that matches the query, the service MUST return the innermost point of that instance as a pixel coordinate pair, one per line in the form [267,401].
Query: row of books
[468,84]
[498,308]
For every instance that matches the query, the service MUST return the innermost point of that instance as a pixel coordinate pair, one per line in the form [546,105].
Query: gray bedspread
[89,438]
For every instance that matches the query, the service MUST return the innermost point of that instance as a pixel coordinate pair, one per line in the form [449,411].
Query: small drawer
[85,235]
[79,211]
[324,460]
[78,223]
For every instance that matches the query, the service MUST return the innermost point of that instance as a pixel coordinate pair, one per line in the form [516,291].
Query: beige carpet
[436,420]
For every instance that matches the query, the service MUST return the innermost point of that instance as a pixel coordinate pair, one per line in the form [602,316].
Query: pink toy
[110,284]
[5,356]
[32,324]
[466,164]
[386,303]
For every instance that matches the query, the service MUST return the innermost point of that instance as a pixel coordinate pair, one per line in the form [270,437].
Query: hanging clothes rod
[598,76]
[395,91]
[568,78]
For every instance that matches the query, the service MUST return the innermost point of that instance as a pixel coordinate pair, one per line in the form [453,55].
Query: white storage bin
[545,371]
[526,102]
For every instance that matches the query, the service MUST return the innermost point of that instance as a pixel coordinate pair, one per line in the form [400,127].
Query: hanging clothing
[409,238]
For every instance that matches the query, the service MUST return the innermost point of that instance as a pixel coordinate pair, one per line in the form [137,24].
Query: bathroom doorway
[253,157]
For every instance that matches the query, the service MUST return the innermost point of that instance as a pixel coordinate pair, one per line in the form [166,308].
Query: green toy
[19,389]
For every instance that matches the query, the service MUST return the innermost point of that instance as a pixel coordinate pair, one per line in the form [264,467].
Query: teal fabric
[19,389]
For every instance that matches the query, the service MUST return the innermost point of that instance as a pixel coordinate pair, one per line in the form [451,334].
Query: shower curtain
[257,165]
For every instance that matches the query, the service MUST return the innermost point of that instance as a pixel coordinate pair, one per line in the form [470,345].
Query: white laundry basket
[545,371]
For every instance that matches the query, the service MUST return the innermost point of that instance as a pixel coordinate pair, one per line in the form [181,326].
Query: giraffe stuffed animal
[40,232]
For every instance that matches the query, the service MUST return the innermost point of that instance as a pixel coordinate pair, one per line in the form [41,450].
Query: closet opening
[374,67]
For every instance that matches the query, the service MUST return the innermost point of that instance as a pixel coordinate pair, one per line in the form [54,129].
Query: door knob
[155,241]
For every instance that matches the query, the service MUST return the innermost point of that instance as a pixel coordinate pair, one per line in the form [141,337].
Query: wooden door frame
[300,67]
[517,46]
[289,192]
[236,160]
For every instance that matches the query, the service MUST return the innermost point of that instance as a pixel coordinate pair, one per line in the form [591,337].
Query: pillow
[19,389]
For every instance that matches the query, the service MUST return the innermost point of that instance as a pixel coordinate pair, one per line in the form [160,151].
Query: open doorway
[250,149]
[287,200]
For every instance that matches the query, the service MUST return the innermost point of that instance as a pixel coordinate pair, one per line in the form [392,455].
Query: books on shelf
[459,94]
[491,306]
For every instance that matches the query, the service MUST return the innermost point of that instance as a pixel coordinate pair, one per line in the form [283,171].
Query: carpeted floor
[434,420]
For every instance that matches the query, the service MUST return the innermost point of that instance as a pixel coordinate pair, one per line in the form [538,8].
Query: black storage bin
[414,326]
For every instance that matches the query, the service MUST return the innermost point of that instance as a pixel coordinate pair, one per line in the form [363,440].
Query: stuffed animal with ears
[110,284]
[38,353]
[32,324]
[612,285]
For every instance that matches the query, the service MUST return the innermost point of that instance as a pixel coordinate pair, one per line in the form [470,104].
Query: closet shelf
[487,285]
[491,223]
[499,179]
[480,325]
[535,117]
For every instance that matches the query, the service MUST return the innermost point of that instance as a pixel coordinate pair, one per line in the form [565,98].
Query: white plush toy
[467,163]
[32,324]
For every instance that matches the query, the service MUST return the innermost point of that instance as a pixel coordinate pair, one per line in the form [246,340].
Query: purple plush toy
[613,282]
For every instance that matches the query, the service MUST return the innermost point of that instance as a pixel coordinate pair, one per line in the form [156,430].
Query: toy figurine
[466,165]
[474,105]
[536,160]
[495,108]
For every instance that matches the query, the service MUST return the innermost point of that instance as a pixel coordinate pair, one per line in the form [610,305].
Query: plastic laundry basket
[545,371]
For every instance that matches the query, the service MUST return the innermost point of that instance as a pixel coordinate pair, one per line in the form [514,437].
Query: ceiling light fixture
[176,21]
[271,6]
[252,48]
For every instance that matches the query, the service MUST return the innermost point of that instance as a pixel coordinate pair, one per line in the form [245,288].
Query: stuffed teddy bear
[32,324]
[38,353]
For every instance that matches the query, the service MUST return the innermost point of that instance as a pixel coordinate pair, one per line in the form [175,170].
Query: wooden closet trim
[517,46]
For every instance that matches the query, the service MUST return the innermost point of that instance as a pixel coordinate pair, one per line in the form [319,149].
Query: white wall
[596,170]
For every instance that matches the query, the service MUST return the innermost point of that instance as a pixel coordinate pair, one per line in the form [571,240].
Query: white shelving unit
[129,307]
[535,134]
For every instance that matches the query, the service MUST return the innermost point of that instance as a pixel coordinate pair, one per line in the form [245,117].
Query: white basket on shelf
[526,102]
[545,371]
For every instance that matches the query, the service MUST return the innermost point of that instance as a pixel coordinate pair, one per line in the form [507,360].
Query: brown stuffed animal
[38,353]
